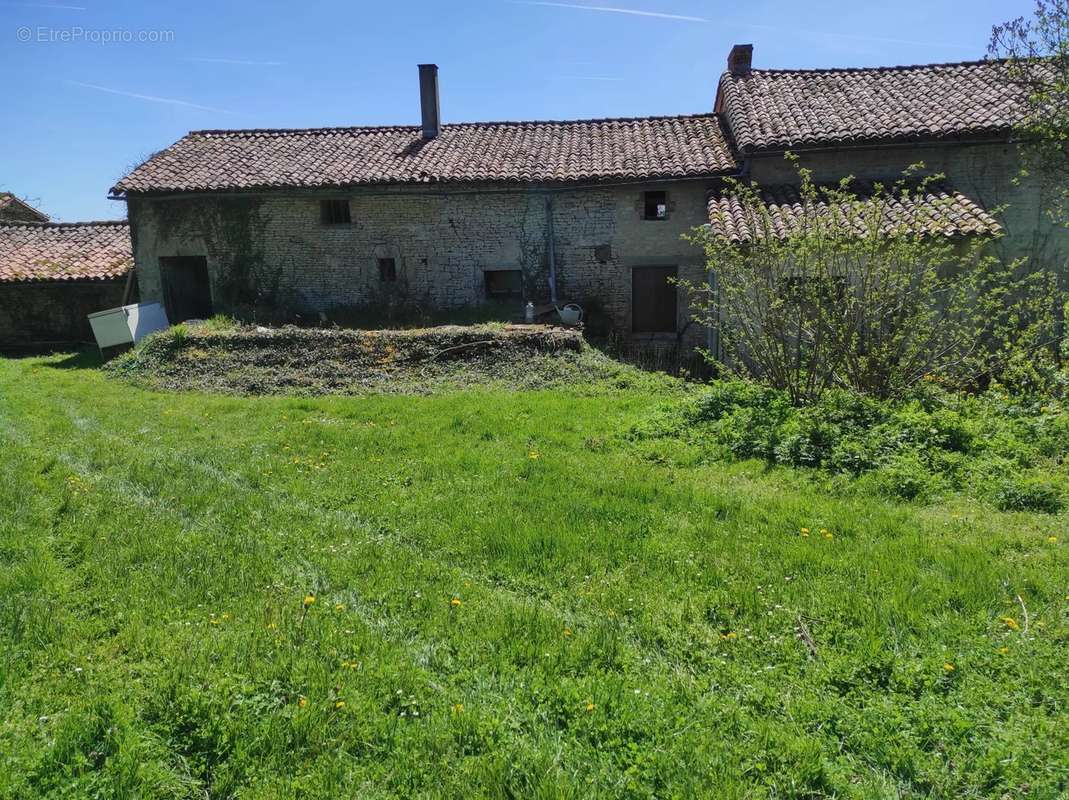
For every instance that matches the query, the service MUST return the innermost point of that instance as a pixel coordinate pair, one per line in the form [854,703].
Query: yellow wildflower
[1004,650]
[729,635]
[340,704]
[1052,540]
[949,667]
[567,631]
[589,706]
[805,531]
[1011,623]
[339,607]
[533,455]
[826,533]
[454,602]
[458,708]
[302,701]
[309,599]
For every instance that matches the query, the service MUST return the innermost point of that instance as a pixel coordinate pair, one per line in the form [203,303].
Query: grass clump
[1005,449]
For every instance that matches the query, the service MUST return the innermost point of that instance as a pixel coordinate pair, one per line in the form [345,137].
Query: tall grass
[492,593]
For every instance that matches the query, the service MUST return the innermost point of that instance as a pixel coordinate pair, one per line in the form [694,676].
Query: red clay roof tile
[780,109]
[53,251]
[939,208]
[496,152]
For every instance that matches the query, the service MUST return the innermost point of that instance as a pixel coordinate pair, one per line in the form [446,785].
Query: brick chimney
[740,59]
[428,100]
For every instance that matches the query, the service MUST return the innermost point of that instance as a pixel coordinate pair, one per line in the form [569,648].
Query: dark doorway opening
[187,292]
[653,300]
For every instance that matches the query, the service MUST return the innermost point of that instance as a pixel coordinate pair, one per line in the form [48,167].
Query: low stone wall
[41,314]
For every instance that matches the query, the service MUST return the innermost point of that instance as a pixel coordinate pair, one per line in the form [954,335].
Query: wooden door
[186,290]
[654,306]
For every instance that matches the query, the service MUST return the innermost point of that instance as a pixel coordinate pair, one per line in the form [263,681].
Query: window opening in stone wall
[503,283]
[656,204]
[335,212]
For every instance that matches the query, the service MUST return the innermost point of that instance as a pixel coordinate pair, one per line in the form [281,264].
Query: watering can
[570,315]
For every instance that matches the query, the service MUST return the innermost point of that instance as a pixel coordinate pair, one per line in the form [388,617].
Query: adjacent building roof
[509,152]
[76,251]
[780,109]
[11,208]
[938,209]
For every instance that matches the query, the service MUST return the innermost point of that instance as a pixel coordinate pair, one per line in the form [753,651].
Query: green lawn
[510,600]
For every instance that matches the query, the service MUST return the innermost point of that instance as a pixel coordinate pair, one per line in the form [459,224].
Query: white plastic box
[127,324]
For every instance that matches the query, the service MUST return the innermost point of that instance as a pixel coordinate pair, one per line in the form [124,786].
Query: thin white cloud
[611,9]
[150,98]
[238,61]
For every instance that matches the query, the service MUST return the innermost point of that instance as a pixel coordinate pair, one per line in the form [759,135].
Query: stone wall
[36,314]
[986,172]
[442,241]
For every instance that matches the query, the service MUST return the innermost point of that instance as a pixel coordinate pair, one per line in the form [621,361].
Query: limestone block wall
[442,241]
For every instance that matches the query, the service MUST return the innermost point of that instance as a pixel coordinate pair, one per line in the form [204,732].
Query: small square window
[655,204]
[387,270]
[504,283]
[335,212]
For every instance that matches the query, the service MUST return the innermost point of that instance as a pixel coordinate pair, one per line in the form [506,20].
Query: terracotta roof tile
[940,208]
[64,251]
[12,208]
[779,109]
[507,152]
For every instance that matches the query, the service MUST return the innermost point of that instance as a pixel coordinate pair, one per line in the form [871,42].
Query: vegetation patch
[1007,449]
[486,594]
[226,358]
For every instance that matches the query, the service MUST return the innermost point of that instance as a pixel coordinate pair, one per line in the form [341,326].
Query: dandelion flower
[805,531]
[949,667]
[454,602]
[309,599]
[534,455]
[458,708]
[1052,540]
[589,706]
[729,635]
[1004,650]
[340,704]
[339,607]
[1011,623]
[567,631]
[302,701]
[826,533]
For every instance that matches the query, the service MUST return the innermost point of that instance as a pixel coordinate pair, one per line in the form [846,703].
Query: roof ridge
[416,126]
[886,68]
[100,223]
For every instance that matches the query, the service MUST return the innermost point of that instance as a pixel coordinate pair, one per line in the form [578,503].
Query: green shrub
[916,448]
[905,477]
[1026,493]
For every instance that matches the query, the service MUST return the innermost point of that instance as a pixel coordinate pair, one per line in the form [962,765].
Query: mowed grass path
[510,600]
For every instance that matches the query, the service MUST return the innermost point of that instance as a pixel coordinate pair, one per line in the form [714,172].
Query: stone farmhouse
[314,222]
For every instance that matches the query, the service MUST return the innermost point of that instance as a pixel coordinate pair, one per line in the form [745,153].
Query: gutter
[401,189]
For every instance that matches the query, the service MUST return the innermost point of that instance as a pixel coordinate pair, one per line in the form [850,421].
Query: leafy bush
[1007,449]
[1027,493]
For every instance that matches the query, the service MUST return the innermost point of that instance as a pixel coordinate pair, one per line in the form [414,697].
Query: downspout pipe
[551,251]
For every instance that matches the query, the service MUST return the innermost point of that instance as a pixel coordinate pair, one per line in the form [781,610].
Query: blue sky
[92,87]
